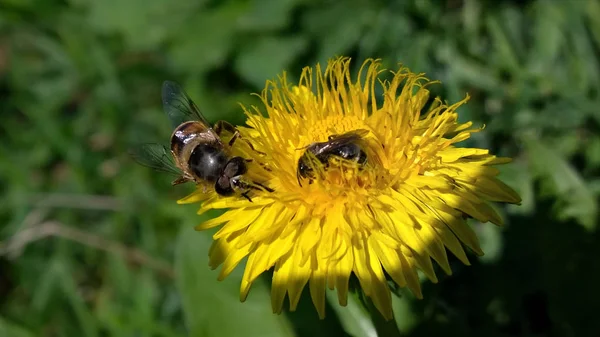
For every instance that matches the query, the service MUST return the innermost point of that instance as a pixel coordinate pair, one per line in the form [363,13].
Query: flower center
[334,125]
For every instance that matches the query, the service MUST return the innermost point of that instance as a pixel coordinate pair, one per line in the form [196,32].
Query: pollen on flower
[379,206]
[334,125]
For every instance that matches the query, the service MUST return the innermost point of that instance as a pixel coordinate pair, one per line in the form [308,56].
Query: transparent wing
[156,157]
[178,106]
[352,135]
[372,147]
[336,141]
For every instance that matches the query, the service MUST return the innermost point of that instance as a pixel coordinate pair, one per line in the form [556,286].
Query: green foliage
[576,198]
[10,329]
[211,306]
[93,245]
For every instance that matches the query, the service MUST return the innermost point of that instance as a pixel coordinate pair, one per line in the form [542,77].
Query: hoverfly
[197,151]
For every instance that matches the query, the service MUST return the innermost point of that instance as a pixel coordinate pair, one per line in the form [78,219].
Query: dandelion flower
[381,222]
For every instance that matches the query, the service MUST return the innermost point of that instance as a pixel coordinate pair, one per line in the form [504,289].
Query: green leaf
[548,35]
[406,318]
[593,13]
[474,73]
[472,20]
[517,176]
[8,328]
[592,151]
[355,320]
[267,57]
[85,318]
[17,4]
[581,71]
[48,284]
[575,198]
[205,41]
[491,242]
[505,53]
[337,36]
[213,308]
[595,186]
[143,23]
[267,15]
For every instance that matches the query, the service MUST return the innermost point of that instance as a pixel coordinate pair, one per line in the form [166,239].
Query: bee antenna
[266,188]
[245,195]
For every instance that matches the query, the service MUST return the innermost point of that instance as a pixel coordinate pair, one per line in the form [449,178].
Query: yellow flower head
[381,220]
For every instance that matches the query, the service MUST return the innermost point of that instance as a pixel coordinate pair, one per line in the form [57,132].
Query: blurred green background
[93,245]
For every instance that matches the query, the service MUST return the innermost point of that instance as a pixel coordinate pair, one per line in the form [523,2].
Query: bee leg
[224,125]
[268,189]
[245,195]
[263,165]
[236,135]
[179,180]
[252,146]
[260,187]
[362,158]
[266,167]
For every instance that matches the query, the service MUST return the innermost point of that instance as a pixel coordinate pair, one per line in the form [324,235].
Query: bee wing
[373,150]
[179,107]
[360,133]
[338,140]
[154,156]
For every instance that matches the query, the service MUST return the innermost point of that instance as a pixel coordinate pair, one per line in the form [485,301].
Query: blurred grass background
[93,245]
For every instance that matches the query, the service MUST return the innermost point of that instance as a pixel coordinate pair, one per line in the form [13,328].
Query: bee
[197,153]
[344,146]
